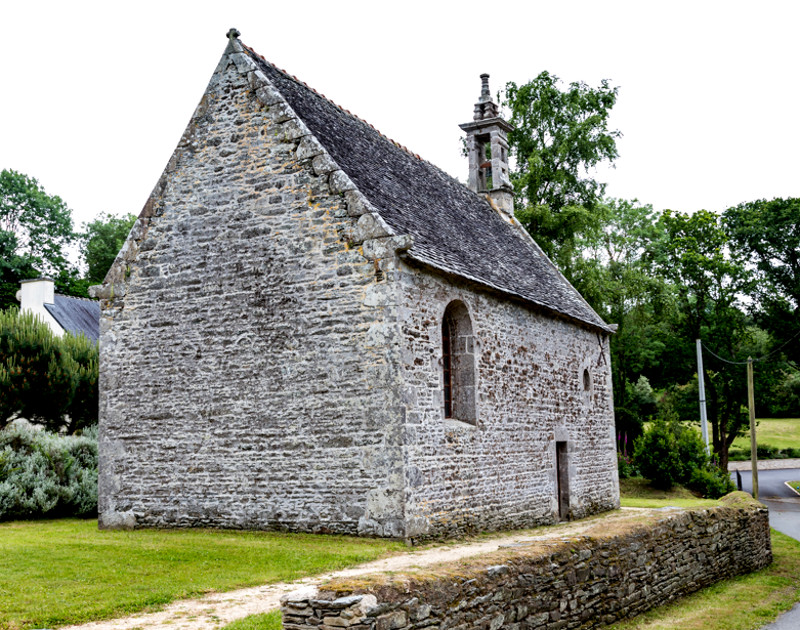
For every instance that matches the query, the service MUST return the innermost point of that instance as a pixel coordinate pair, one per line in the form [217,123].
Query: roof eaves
[424,261]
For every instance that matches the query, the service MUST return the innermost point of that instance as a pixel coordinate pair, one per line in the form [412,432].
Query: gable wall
[246,349]
[500,473]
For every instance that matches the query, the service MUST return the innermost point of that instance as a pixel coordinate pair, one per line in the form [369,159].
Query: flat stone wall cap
[348,601]
[337,604]
[300,595]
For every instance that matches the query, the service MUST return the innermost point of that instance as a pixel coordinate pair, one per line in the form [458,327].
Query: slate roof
[455,230]
[76,315]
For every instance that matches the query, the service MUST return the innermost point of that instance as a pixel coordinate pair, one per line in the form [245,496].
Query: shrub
[671,453]
[46,474]
[656,455]
[691,451]
[765,451]
[711,482]
[625,466]
[738,454]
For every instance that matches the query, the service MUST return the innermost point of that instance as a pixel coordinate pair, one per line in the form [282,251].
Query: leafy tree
[614,274]
[102,239]
[41,223]
[775,381]
[35,232]
[13,268]
[557,136]
[642,397]
[767,234]
[708,285]
[783,396]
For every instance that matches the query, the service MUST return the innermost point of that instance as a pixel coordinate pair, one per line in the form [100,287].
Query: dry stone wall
[583,582]
[531,394]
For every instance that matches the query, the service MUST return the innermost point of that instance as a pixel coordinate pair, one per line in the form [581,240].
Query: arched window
[458,363]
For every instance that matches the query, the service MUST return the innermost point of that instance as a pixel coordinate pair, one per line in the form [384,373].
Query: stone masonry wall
[583,582]
[531,394]
[248,359]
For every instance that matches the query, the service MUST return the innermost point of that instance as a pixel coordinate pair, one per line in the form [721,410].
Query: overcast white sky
[95,95]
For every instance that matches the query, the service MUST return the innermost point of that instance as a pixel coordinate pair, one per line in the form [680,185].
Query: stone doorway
[562,481]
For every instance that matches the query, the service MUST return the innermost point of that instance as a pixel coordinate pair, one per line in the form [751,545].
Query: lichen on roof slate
[454,229]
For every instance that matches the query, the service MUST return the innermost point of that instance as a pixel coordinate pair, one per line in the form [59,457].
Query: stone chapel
[311,328]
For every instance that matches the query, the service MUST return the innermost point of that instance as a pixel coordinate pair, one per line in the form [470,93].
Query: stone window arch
[458,363]
[586,384]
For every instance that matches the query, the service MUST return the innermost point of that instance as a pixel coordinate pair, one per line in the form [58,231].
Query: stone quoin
[310,328]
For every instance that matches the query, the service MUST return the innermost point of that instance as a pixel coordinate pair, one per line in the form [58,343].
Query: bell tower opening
[487,149]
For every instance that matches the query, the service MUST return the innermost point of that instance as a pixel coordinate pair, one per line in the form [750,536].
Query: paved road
[783,503]
[784,515]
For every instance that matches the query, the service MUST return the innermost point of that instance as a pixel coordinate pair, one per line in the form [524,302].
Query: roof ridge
[358,118]
[76,297]
[335,104]
[455,229]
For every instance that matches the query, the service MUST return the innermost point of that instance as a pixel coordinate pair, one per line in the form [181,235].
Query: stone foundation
[580,582]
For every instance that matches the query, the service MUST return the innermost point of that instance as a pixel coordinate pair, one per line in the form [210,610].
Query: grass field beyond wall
[66,571]
[778,432]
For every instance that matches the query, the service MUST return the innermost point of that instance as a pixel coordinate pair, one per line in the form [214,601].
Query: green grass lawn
[778,432]
[795,485]
[637,492]
[265,621]
[66,571]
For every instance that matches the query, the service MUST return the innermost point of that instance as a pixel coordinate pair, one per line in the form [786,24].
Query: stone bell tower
[487,147]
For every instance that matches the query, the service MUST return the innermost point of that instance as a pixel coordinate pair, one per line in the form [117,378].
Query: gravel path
[217,609]
[765,464]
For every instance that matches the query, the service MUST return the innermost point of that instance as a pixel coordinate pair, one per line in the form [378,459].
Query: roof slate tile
[76,315]
[454,229]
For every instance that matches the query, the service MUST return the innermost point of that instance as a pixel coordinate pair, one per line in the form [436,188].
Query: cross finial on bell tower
[487,147]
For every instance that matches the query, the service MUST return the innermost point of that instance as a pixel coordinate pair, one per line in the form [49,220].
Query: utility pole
[701,383]
[752,406]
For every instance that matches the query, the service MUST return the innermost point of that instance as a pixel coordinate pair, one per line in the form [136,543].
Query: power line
[758,360]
